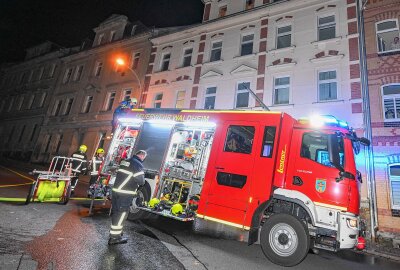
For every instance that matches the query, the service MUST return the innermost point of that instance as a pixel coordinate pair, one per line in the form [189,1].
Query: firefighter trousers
[120,210]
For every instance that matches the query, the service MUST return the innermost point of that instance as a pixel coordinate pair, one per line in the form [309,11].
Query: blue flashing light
[327,120]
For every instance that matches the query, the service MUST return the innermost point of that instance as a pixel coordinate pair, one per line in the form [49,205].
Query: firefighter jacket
[79,162]
[96,163]
[129,177]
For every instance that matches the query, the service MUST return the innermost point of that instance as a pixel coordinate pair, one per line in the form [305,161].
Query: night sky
[25,23]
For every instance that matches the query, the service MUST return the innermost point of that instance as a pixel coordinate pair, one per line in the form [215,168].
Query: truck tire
[134,213]
[284,240]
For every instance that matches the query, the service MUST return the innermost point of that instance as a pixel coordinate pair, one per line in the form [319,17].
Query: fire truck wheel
[143,195]
[284,240]
[30,193]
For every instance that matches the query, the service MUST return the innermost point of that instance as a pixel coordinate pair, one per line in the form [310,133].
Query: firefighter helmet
[177,209]
[83,148]
[100,151]
[154,202]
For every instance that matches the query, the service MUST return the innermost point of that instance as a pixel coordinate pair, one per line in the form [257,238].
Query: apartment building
[25,92]
[382,41]
[91,85]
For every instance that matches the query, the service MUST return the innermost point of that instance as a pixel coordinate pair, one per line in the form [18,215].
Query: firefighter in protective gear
[130,176]
[96,162]
[78,164]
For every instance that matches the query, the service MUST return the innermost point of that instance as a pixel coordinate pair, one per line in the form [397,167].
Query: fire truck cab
[292,185]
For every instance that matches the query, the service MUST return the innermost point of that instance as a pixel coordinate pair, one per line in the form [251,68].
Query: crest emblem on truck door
[320,185]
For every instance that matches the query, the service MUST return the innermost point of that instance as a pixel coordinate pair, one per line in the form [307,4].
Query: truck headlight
[352,223]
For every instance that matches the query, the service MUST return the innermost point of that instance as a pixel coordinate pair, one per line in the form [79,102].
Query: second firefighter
[130,176]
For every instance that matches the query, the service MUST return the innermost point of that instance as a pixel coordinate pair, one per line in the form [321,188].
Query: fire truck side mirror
[364,141]
[333,149]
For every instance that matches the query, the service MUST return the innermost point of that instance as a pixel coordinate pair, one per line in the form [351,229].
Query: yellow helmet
[83,148]
[100,151]
[154,202]
[177,209]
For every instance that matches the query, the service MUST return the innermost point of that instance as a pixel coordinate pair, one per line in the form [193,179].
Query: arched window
[391,102]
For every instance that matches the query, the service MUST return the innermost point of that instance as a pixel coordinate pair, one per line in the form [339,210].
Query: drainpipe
[369,164]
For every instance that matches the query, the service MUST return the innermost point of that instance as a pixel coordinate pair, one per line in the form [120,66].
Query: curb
[380,254]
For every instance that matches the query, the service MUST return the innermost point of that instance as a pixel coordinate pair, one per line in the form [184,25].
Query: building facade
[26,89]
[300,57]
[382,43]
[91,85]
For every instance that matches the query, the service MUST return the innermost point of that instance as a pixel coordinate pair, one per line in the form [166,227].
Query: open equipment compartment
[183,171]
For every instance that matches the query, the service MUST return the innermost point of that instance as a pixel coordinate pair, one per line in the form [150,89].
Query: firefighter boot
[115,240]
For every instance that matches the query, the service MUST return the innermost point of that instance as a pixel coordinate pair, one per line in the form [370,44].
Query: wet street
[66,237]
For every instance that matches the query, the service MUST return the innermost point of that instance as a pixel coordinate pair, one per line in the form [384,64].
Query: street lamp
[121,62]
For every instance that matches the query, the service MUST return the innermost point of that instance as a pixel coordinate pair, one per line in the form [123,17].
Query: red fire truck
[291,184]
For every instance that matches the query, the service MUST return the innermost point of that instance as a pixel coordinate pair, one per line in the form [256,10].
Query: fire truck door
[232,174]
[311,172]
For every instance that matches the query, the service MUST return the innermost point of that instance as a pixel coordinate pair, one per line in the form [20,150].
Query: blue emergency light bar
[325,120]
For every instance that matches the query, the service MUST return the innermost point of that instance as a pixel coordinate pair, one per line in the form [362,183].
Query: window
[284,37]
[268,142]
[87,104]
[57,107]
[180,100]
[112,36]
[3,103]
[52,70]
[127,94]
[102,139]
[314,146]
[247,45]
[78,73]
[165,62]
[216,49]
[30,76]
[157,100]
[209,98]
[11,134]
[242,95]
[394,178]
[22,133]
[249,4]
[68,106]
[101,39]
[327,85]
[231,179]
[41,71]
[391,102]
[60,138]
[239,139]
[48,144]
[30,102]
[20,102]
[33,132]
[326,27]
[67,75]
[22,78]
[135,62]
[187,57]
[222,11]
[388,36]
[98,68]
[281,90]
[42,99]
[10,105]
[110,101]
